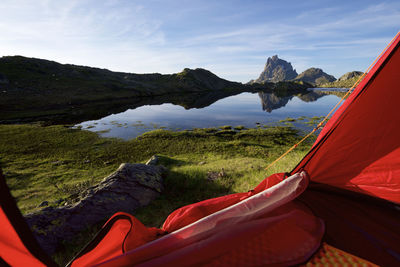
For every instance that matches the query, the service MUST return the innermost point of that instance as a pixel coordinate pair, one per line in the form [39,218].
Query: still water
[246,109]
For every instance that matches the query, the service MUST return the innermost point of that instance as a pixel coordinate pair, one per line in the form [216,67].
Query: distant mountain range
[34,89]
[278,70]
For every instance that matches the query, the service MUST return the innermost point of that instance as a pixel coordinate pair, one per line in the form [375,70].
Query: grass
[51,163]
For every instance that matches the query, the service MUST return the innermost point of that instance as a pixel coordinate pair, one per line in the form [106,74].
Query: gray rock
[131,186]
[153,160]
[276,70]
[211,176]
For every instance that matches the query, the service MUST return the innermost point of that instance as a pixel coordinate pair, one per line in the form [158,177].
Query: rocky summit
[315,76]
[276,70]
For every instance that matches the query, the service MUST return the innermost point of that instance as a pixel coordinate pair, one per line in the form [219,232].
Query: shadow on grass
[69,250]
[168,162]
[181,189]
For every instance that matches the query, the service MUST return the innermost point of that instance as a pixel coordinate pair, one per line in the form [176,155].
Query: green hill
[345,81]
[315,76]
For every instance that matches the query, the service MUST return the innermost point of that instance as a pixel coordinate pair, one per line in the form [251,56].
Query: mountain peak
[276,70]
[315,76]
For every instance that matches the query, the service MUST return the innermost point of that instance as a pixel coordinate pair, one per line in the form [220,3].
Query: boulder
[130,187]
[153,160]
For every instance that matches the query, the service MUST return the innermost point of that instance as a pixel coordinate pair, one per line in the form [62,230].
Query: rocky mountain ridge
[43,75]
[278,70]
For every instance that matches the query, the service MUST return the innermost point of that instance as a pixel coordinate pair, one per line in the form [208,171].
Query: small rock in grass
[153,160]
[211,176]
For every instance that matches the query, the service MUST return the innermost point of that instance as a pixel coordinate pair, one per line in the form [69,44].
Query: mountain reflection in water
[211,109]
[271,101]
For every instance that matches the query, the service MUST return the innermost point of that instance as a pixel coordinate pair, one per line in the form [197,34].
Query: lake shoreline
[53,109]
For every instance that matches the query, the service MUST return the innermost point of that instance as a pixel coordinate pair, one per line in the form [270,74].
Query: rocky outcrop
[130,187]
[350,75]
[315,76]
[276,70]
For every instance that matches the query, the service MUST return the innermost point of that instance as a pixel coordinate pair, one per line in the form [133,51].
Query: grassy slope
[49,163]
[342,84]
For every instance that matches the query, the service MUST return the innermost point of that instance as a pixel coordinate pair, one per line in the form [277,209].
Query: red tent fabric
[264,222]
[18,247]
[359,149]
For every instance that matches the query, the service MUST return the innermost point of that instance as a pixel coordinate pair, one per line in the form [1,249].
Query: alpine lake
[217,110]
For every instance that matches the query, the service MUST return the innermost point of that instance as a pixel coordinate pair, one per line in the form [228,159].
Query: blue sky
[233,39]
